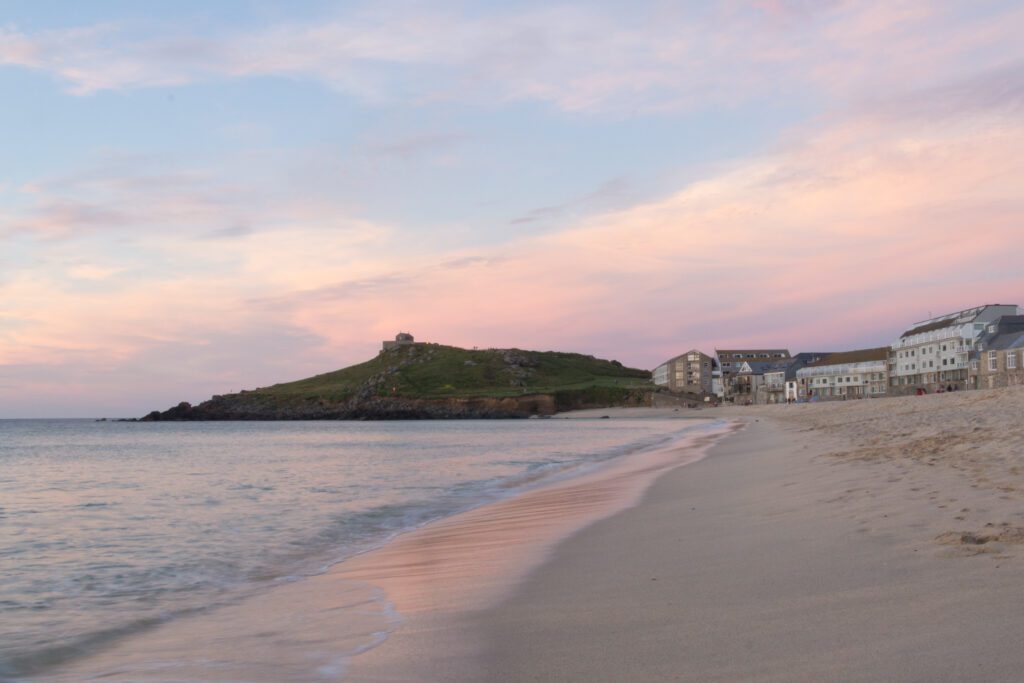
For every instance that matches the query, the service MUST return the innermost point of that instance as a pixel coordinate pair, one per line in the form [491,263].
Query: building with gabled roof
[750,364]
[937,352]
[998,357]
[780,383]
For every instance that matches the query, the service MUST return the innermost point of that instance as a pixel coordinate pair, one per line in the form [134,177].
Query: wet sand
[436,576]
[863,541]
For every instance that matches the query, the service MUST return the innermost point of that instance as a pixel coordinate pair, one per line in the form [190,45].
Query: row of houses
[981,347]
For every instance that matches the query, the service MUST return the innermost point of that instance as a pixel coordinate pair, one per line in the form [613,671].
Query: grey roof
[859,356]
[804,358]
[1008,340]
[762,366]
[950,319]
[730,352]
[675,358]
[1006,325]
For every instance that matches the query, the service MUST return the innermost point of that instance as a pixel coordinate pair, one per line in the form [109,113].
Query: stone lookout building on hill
[401,339]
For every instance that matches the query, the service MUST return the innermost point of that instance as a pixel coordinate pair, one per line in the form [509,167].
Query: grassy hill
[431,380]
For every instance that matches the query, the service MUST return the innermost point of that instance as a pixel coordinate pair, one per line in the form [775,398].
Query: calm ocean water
[111,529]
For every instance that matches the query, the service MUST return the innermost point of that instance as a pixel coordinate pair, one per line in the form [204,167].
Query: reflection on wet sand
[473,560]
[300,631]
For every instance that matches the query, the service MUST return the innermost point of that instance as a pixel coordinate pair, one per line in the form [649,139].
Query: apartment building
[863,373]
[936,352]
[690,372]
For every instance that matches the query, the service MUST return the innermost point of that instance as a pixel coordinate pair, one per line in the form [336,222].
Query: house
[998,357]
[690,372]
[742,370]
[780,383]
[772,385]
[936,352]
[401,339]
[850,374]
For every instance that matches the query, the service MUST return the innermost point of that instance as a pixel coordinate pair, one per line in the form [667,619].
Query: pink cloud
[847,237]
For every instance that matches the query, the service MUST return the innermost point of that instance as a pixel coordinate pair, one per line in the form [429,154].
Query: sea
[114,533]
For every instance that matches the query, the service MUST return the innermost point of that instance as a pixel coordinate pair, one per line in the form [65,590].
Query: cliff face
[412,383]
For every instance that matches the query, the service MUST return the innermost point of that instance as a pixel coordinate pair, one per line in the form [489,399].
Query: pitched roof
[949,320]
[1006,341]
[857,356]
[683,355]
[759,367]
[744,353]
[930,327]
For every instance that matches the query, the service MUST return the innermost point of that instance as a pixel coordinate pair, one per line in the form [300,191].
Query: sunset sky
[200,197]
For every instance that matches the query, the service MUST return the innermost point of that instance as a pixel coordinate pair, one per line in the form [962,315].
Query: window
[1011,360]
[993,362]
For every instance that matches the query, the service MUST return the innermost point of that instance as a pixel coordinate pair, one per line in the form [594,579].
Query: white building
[936,351]
[850,374]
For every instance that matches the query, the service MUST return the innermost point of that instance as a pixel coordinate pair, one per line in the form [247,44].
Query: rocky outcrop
[253,407]
[428,381]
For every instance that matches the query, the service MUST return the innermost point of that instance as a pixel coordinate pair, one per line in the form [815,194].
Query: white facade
[941,354]
[865,378]
[774,387]
[660,375]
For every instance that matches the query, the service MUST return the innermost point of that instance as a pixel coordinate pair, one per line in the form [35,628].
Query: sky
[198,198]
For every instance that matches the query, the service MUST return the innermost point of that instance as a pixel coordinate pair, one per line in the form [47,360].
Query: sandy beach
[875,540]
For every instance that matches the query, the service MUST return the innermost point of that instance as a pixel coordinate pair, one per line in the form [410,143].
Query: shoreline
[437,575]
[840,542]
